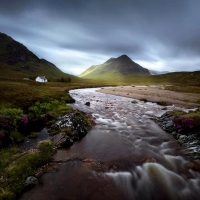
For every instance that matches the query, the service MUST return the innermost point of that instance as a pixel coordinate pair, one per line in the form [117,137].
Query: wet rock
[193,165]
[62,140]
[182,137]
[87,103]
[30,182]
[169,124]
[150,160]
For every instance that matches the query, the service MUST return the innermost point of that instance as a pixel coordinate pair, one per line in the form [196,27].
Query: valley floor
[157,94]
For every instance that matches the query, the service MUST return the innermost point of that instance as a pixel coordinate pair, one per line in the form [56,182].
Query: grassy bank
[16,167]
[25,107]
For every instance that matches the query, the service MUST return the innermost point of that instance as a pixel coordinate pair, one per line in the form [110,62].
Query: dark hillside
[17,62]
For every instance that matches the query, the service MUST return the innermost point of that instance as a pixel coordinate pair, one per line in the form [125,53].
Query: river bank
[157,94]
[22,165]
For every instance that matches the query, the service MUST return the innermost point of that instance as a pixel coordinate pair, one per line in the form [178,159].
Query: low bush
[39,108]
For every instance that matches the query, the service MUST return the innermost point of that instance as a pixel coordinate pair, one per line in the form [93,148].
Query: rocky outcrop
[69,128]
[190,143]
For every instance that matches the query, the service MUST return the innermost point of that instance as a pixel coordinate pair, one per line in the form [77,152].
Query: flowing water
[126,155]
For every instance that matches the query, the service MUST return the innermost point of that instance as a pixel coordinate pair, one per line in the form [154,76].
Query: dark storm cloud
[75,34]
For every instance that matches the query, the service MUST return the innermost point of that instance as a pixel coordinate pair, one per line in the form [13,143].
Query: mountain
[115,68]
[16,61]
[153,72]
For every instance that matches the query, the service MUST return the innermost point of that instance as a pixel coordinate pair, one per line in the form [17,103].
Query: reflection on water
[136,158]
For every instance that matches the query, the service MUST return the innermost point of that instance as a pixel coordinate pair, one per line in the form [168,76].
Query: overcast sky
[162,35]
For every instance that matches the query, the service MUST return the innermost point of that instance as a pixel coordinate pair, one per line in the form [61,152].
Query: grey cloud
[154,30]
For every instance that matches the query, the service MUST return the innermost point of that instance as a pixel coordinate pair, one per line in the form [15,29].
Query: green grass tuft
[16,136]
[33,135]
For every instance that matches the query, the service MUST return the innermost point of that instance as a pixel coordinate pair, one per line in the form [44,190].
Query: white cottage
[41,79]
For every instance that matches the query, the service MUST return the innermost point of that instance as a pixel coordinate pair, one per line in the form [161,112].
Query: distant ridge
[153,72]
[16,61]
[119,67]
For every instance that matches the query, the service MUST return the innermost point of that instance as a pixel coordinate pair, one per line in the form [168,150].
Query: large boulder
[72,126]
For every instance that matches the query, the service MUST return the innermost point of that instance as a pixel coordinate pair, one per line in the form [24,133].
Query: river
[126,155]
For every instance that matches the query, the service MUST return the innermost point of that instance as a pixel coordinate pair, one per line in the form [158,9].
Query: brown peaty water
[124,156]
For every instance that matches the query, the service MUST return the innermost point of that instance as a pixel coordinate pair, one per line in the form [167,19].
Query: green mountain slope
[115,68]
[16,61]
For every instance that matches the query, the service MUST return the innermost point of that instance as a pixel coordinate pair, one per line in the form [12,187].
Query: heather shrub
[24,120]
[187,124]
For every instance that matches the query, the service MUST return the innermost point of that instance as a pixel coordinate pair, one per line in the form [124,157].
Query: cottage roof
[42,77]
